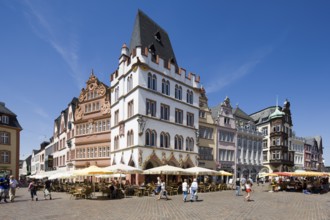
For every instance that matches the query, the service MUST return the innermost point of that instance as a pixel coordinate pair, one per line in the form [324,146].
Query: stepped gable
[148,34]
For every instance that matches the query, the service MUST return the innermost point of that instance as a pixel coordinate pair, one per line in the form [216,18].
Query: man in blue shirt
[4,188]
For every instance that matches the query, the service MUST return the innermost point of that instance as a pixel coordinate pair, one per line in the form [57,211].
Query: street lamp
[142,122]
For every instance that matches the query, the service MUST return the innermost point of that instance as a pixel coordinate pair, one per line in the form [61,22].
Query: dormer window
[5,119]
[158,37]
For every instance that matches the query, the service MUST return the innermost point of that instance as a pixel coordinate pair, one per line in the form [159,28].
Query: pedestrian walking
[47,189]
[158,186]
[193,190]
[163,191]
[248,189]
[33,190]
[4,188]
[13,184]
[185,190]
[238,187]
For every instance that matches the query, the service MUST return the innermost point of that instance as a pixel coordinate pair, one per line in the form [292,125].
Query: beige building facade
[9,141]
[206,135]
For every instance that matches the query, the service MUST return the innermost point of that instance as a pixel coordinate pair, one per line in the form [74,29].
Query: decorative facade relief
[78,113]
[140,157]
[101,90]
[163,157]
[82,95]
[105,108]
[180,160]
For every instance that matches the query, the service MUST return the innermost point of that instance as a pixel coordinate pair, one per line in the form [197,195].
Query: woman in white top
[185,190]
[248,189]
[163,191]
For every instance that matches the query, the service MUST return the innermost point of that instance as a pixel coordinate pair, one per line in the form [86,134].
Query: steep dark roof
[13,122]
[147,33]
[215,111]
[5,110]
[262,116]
[239,113]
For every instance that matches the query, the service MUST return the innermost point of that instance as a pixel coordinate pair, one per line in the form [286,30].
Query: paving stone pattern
[211,205]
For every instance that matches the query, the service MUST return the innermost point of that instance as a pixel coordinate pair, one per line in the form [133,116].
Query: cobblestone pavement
[211,205]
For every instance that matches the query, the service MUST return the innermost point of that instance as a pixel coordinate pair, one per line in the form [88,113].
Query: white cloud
[36,108]
[45,29]
[230,75]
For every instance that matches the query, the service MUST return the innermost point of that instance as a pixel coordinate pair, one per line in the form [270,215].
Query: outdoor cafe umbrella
[123,169]
[224,173]
[201,171]
[309,173]
[92,171]
[62,175]
[37,176]
[166,170]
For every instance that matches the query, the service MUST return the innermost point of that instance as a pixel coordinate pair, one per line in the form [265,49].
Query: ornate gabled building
[90,142]
[226,136]
[249,146]
[9,141]
[206,135]
[313,154]
[57,153]
[276,124]
[154,103]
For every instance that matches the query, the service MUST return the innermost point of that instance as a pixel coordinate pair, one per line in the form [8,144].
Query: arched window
[176,92]
[153,138]
[162,139]
[190,96]
[116,142]
[148,142]
[167,89]
[192,143]
[180,93]
[163,86]
[149,81]
[129,83]
[132,137]
[167,140]
[178,142]
[189,144]
[128,138]
[154,82]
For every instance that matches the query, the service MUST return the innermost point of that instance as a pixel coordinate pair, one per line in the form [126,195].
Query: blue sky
[250,51]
